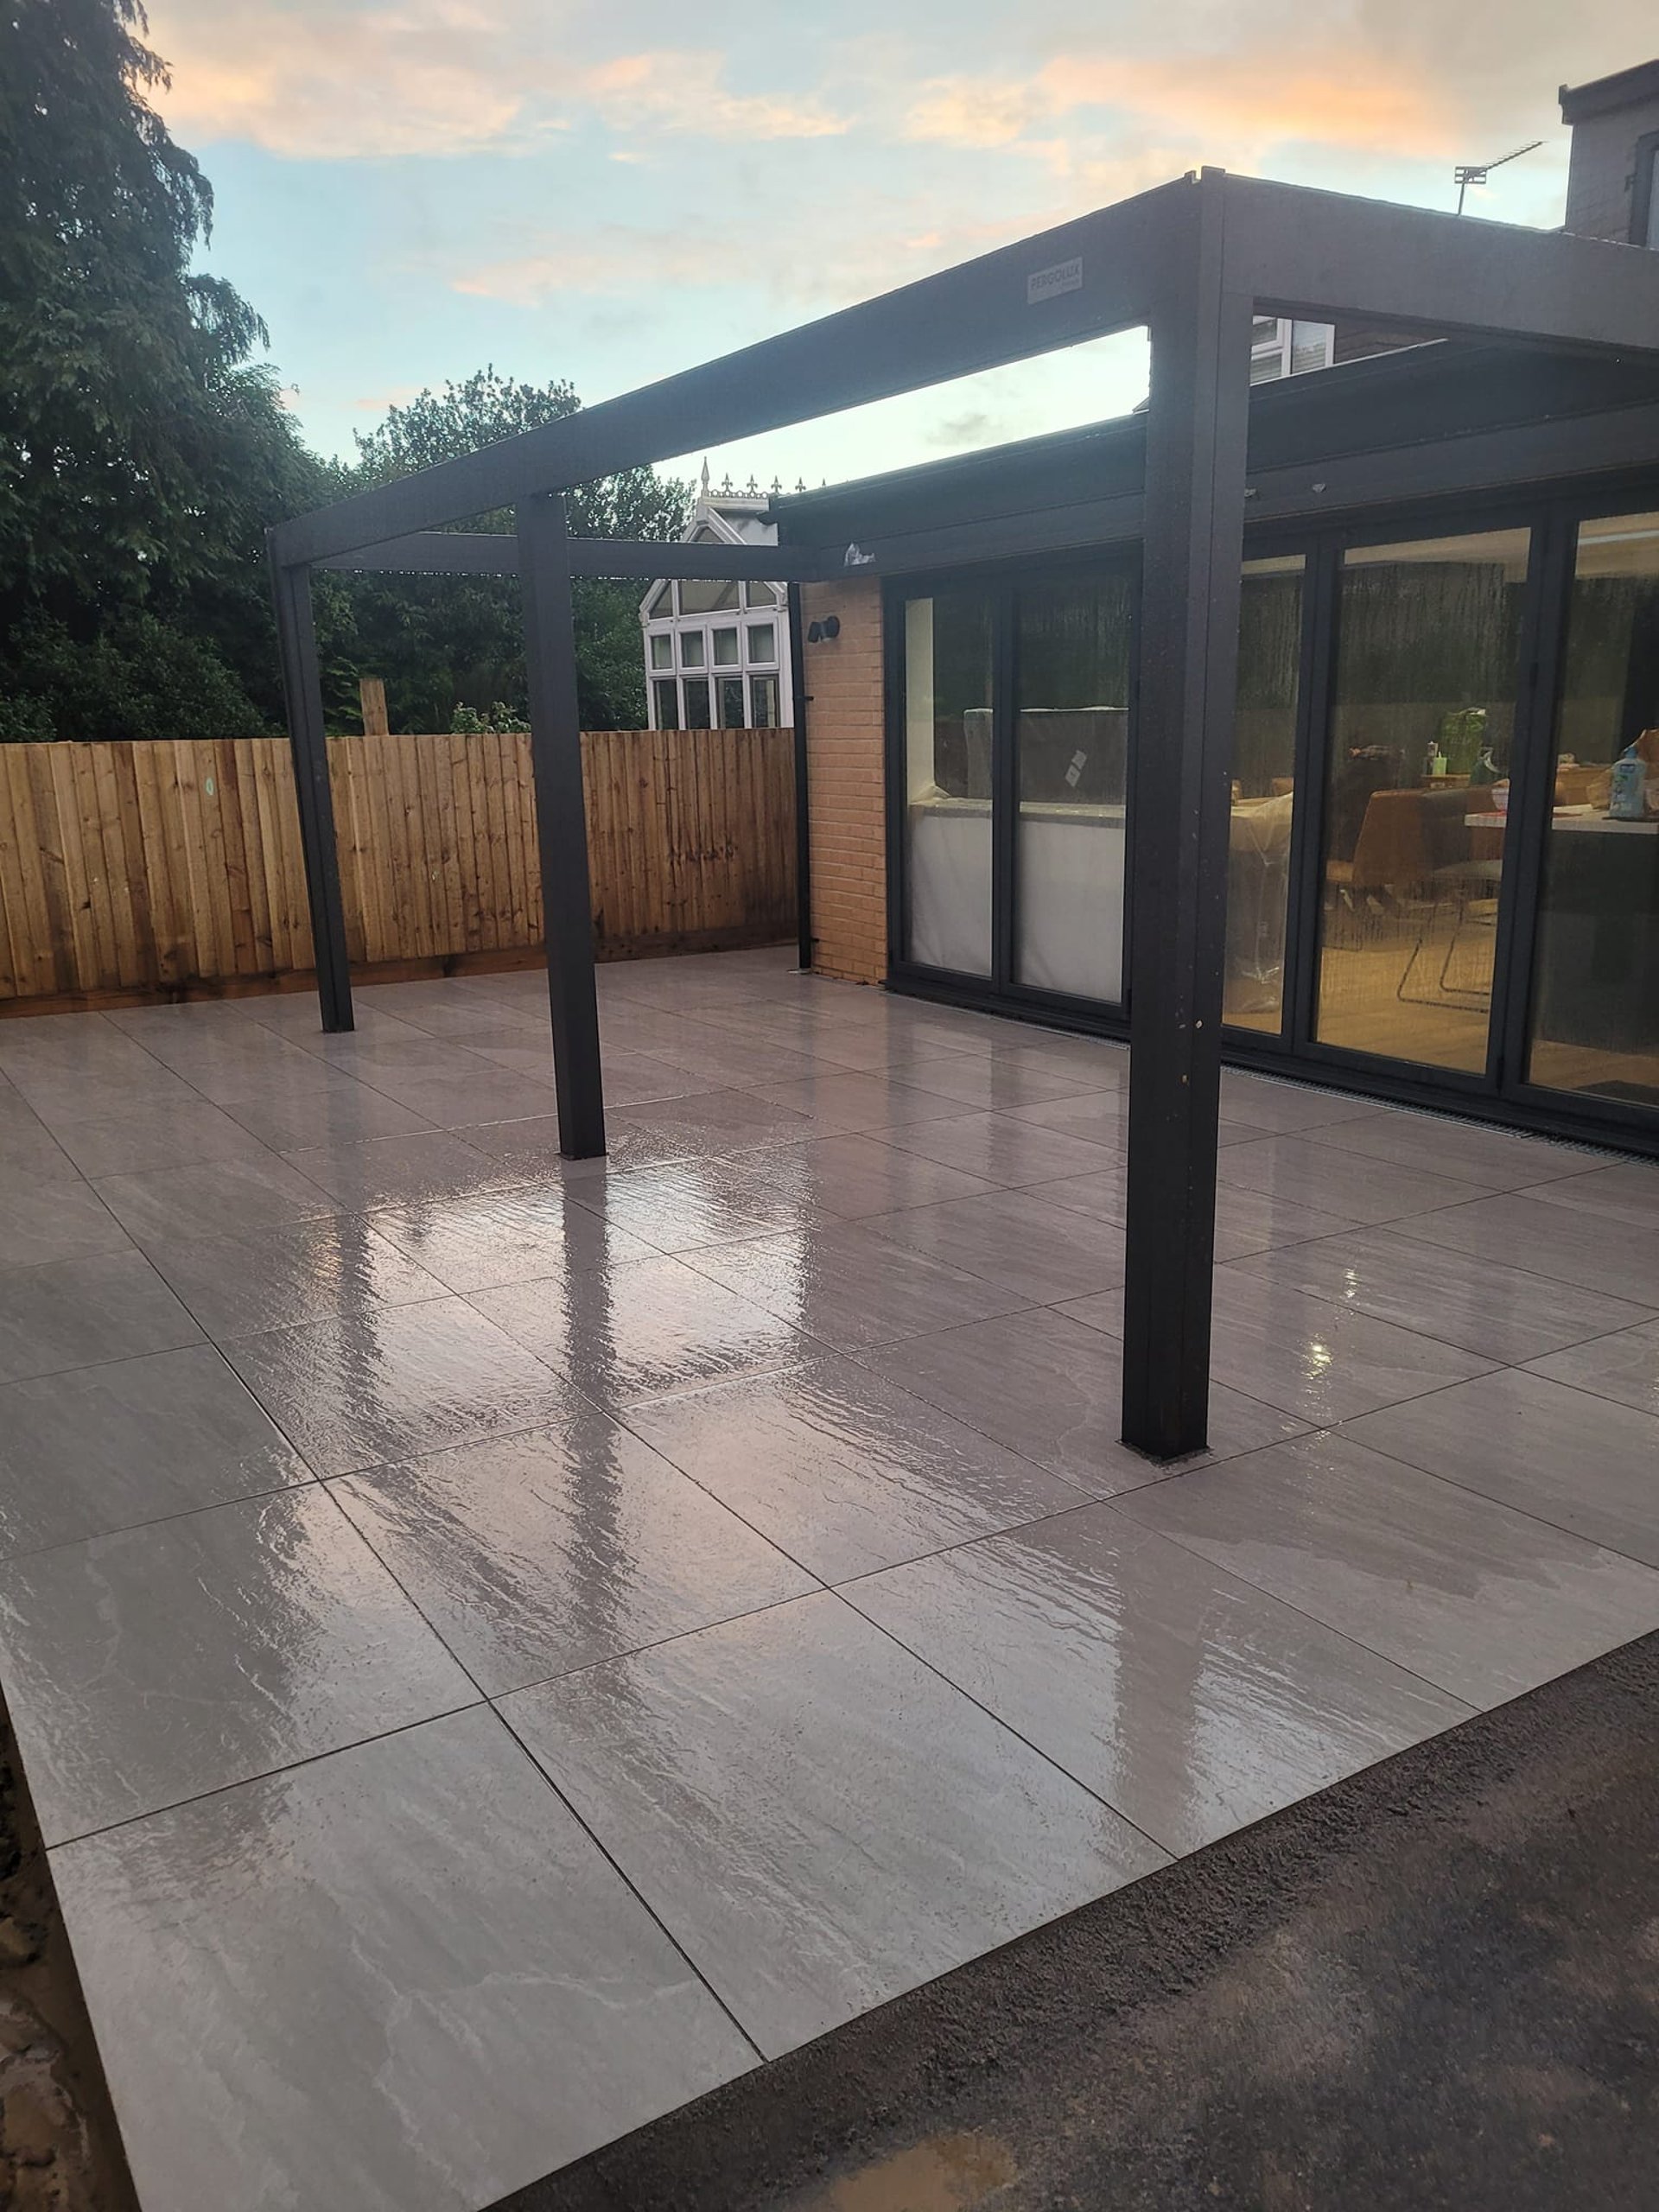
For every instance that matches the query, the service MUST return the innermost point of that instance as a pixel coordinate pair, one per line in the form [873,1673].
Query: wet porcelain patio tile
[503,1236]
[1581,1463]
[1016,1240]
[298,1271]
[391,1380]
[1494,1159]
[641,1328]
[1283,1108]
[681,1204]
[169,1133]
[848,1288]
[1628,1193]
[1625,1367]
[1003,1148]
[1246,1221]
[840,1102]
[412,1944]
[342,1111]
[1310,1173]
[29,1153]
[1502,1313]
[102,1448]
[60,1219]
[705,1122]
[818,1820]
[1191,1701]
[153,1665]
[220,1198]
[78,1313]
[850,1178]
[534,1554]
[402,1171]
[843,1470]
[1321,1360]
[994,1084]
[493,1094]
[60,1098]
[1051,1390]
[1471,1595]
[1572,1244]
[520,1150]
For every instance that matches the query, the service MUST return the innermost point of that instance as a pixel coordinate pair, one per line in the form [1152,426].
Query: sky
[408,189]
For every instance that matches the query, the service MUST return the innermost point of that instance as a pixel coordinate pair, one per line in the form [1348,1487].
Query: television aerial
[1477,172]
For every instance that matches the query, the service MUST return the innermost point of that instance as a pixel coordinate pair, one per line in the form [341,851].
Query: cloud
[685,92]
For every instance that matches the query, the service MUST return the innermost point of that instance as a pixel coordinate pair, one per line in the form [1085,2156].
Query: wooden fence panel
[176,865]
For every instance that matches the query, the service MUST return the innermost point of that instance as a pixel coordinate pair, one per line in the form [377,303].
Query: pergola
[1191,262]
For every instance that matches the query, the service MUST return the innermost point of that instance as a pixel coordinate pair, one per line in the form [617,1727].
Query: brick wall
[841,681]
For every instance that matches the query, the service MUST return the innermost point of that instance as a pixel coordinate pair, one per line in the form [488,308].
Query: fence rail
[176,865]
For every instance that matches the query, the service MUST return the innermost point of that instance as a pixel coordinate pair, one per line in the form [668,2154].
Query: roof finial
[705,476]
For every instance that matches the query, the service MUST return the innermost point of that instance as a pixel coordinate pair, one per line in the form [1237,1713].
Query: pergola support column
[302,684]
[1193,548]
[562,821]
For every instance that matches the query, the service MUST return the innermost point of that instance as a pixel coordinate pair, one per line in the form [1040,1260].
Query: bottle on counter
[1627,801]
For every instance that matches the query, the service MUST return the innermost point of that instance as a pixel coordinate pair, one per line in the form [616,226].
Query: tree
[141,454]
[440,641]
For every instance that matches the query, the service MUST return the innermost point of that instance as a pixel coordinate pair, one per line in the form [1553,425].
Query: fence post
[296,637]
[371,690]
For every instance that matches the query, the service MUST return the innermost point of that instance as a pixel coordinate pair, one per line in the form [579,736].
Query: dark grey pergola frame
[1191,261]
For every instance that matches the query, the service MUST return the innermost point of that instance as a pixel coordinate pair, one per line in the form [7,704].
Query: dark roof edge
[1606,95]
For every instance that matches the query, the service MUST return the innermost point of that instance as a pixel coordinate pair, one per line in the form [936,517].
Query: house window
[692,650]
[763,641]
[759,595]
[705,597]
[668,704]
[763,702]
[725,649]
[663,604]
[661,650]
[1644,201]
[731,702]
[696,703]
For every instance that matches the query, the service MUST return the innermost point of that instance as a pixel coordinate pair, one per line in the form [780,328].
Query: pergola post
[302,684]
[1193,549]
[562,821]
[803,817]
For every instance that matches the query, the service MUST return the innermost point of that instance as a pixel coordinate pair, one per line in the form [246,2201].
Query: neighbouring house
[716,651]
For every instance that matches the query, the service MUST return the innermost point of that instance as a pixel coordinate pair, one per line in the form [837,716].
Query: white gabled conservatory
[717,651]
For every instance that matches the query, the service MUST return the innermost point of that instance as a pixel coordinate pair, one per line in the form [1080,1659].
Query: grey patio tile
[850,1178]
[1308,1171]
[102,1448]
[530,1147]
[1246,1221]
[840,1102]
[1051,1390]
[389,1381]
[819,1821]
[534,1554]
[1318,1359]
[341,1111]
[1007,1149]
[1629,1192]
[995,1083]
[401,1979]
[402,1170]
[1014,1239]
[849,1288]
[159,1663]
[1625,1367]
[77,1313]
[60,1219]
[1571,1244]
[702,1121]
[1583,1463]
[680,1204]
[842,1470]
[29,1153]
[641,1328]
[220,1198]
[1284,1108]
[1482,1600]
[158,1133]
[292,1272]
[501,1237]
[1494,1159]
[1502,1313]
[490,1094]
[1191,1701]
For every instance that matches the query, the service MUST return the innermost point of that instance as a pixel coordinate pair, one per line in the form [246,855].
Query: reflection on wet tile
[639,1329]
[1014,1239]
[849,1288]
[294,1272]
[1188,1699]
[995,1083]
[1052,1389]
[820,1821]
[1464,1150]
[501,1236]
[220,1199]
[843,1470]
[1246,1221]
[400,1979]
[394,1380]
[682,1203]
[401,1171]
[154,1664]
[1569,1244]
[701,1122]
[1502,1313]
[535,1555]
[62,1219]
[345,1112]
[999,1148]
[1592,1468]
[492,1094]
[839,1101]
[1321,1361]
[1482,1600]
[1310,1173]
[74,1313]
[1625,1367]
[105,1447]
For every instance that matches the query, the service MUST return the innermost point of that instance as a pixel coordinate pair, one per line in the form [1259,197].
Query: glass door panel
[947,752]
[1428,666]
[1264,791]
[1595,1017]
[1072,653]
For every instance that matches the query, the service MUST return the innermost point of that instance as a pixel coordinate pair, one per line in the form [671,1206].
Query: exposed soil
[59,2148]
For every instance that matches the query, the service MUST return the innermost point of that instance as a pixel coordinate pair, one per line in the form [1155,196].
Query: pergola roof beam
[492,553]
